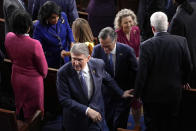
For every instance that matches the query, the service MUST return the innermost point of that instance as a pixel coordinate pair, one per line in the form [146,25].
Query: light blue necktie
[111,64]
[83,83]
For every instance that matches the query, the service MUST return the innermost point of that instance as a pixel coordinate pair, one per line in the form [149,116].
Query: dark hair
[107,31]
[185,5]
[21,21]
[47,9]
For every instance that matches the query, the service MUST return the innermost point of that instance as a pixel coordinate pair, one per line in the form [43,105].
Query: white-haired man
[164,67]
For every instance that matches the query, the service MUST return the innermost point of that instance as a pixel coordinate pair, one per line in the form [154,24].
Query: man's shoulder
[123,47]
[65,68]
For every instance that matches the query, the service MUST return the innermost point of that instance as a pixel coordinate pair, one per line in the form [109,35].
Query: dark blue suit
[67,6]
[51,44]
[164,67]
[117,109]
[8,8]
[74,101]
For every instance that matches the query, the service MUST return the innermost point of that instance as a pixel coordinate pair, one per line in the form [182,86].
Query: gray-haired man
[79,90]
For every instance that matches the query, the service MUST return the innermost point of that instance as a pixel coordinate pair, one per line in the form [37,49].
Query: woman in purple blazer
[101,14]
[29,66]
[127,30]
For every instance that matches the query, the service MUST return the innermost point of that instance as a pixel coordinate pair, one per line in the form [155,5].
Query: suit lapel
[93,73]
[119,54]
[76,80]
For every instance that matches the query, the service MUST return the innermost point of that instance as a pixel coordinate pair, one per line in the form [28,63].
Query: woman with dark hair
[53,31]
[29,66]
[82,33]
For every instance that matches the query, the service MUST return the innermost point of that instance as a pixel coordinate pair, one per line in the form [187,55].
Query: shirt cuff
[87,110]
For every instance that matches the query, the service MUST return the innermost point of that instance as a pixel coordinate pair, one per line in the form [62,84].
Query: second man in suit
[120,62]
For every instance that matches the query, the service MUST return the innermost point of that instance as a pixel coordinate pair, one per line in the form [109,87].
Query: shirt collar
[113,52]
[178,7]
[85,70]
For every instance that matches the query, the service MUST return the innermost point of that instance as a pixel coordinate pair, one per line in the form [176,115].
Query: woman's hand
[65,53]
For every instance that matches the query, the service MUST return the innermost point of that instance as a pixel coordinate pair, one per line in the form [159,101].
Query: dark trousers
[117,114]
[162,116]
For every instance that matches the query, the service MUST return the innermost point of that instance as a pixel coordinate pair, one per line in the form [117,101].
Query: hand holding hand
[127,93]
[186,86]
[94,115]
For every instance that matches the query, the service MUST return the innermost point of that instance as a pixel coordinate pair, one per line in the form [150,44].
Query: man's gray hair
[108,31]
[159,21]
[80,48]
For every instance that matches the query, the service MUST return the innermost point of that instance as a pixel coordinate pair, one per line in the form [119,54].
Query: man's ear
[153,29]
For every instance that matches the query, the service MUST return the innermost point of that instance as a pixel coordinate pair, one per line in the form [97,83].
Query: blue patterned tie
[83,83]
[111,64]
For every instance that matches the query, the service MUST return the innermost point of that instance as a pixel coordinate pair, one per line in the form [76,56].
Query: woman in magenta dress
[29,66]
[127,30]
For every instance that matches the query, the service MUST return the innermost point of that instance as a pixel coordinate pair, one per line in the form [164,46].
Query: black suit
[145,10]
[8,8]
[164,67]
[117,109]
[183,24]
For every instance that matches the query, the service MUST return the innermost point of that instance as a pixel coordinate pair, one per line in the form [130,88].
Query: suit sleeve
[1,56]
[37,33]
[69,30]
[187,64]
[94,53]
[65,97]
[40,60]
[72,11]
[133,66]
[142,71]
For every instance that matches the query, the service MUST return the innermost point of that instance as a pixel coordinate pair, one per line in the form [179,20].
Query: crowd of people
[133,66]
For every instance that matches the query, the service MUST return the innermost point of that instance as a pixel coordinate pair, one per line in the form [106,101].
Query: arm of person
[1,56]
[142,72]
[72,11]
[40,60]
[132,65]
[110,82]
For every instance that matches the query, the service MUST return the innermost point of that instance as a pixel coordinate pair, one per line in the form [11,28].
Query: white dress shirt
[88,80]
[113,52]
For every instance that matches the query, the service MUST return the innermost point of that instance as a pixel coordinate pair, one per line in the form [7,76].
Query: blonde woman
[128,32]
[82,33]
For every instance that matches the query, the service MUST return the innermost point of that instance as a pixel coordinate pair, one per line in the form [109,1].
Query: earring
[47,22]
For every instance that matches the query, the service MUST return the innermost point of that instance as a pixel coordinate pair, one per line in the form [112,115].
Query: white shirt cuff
[87,110]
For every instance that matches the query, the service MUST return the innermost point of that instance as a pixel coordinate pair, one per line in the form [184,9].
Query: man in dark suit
[8,8]
[183,24]
[67,6]
[145,10]
[164,67]
[123,71]
[79,90]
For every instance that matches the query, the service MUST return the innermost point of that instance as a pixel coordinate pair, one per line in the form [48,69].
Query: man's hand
[127,93]
[186,86]
[94,115]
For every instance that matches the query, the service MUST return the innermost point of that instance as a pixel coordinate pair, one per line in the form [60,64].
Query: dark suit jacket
[183,24]
[145,10]
[164,67]
[67,6]
[73,100]
[8,8]
[125,67]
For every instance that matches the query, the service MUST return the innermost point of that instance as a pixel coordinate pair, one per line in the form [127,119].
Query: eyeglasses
[77,59]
